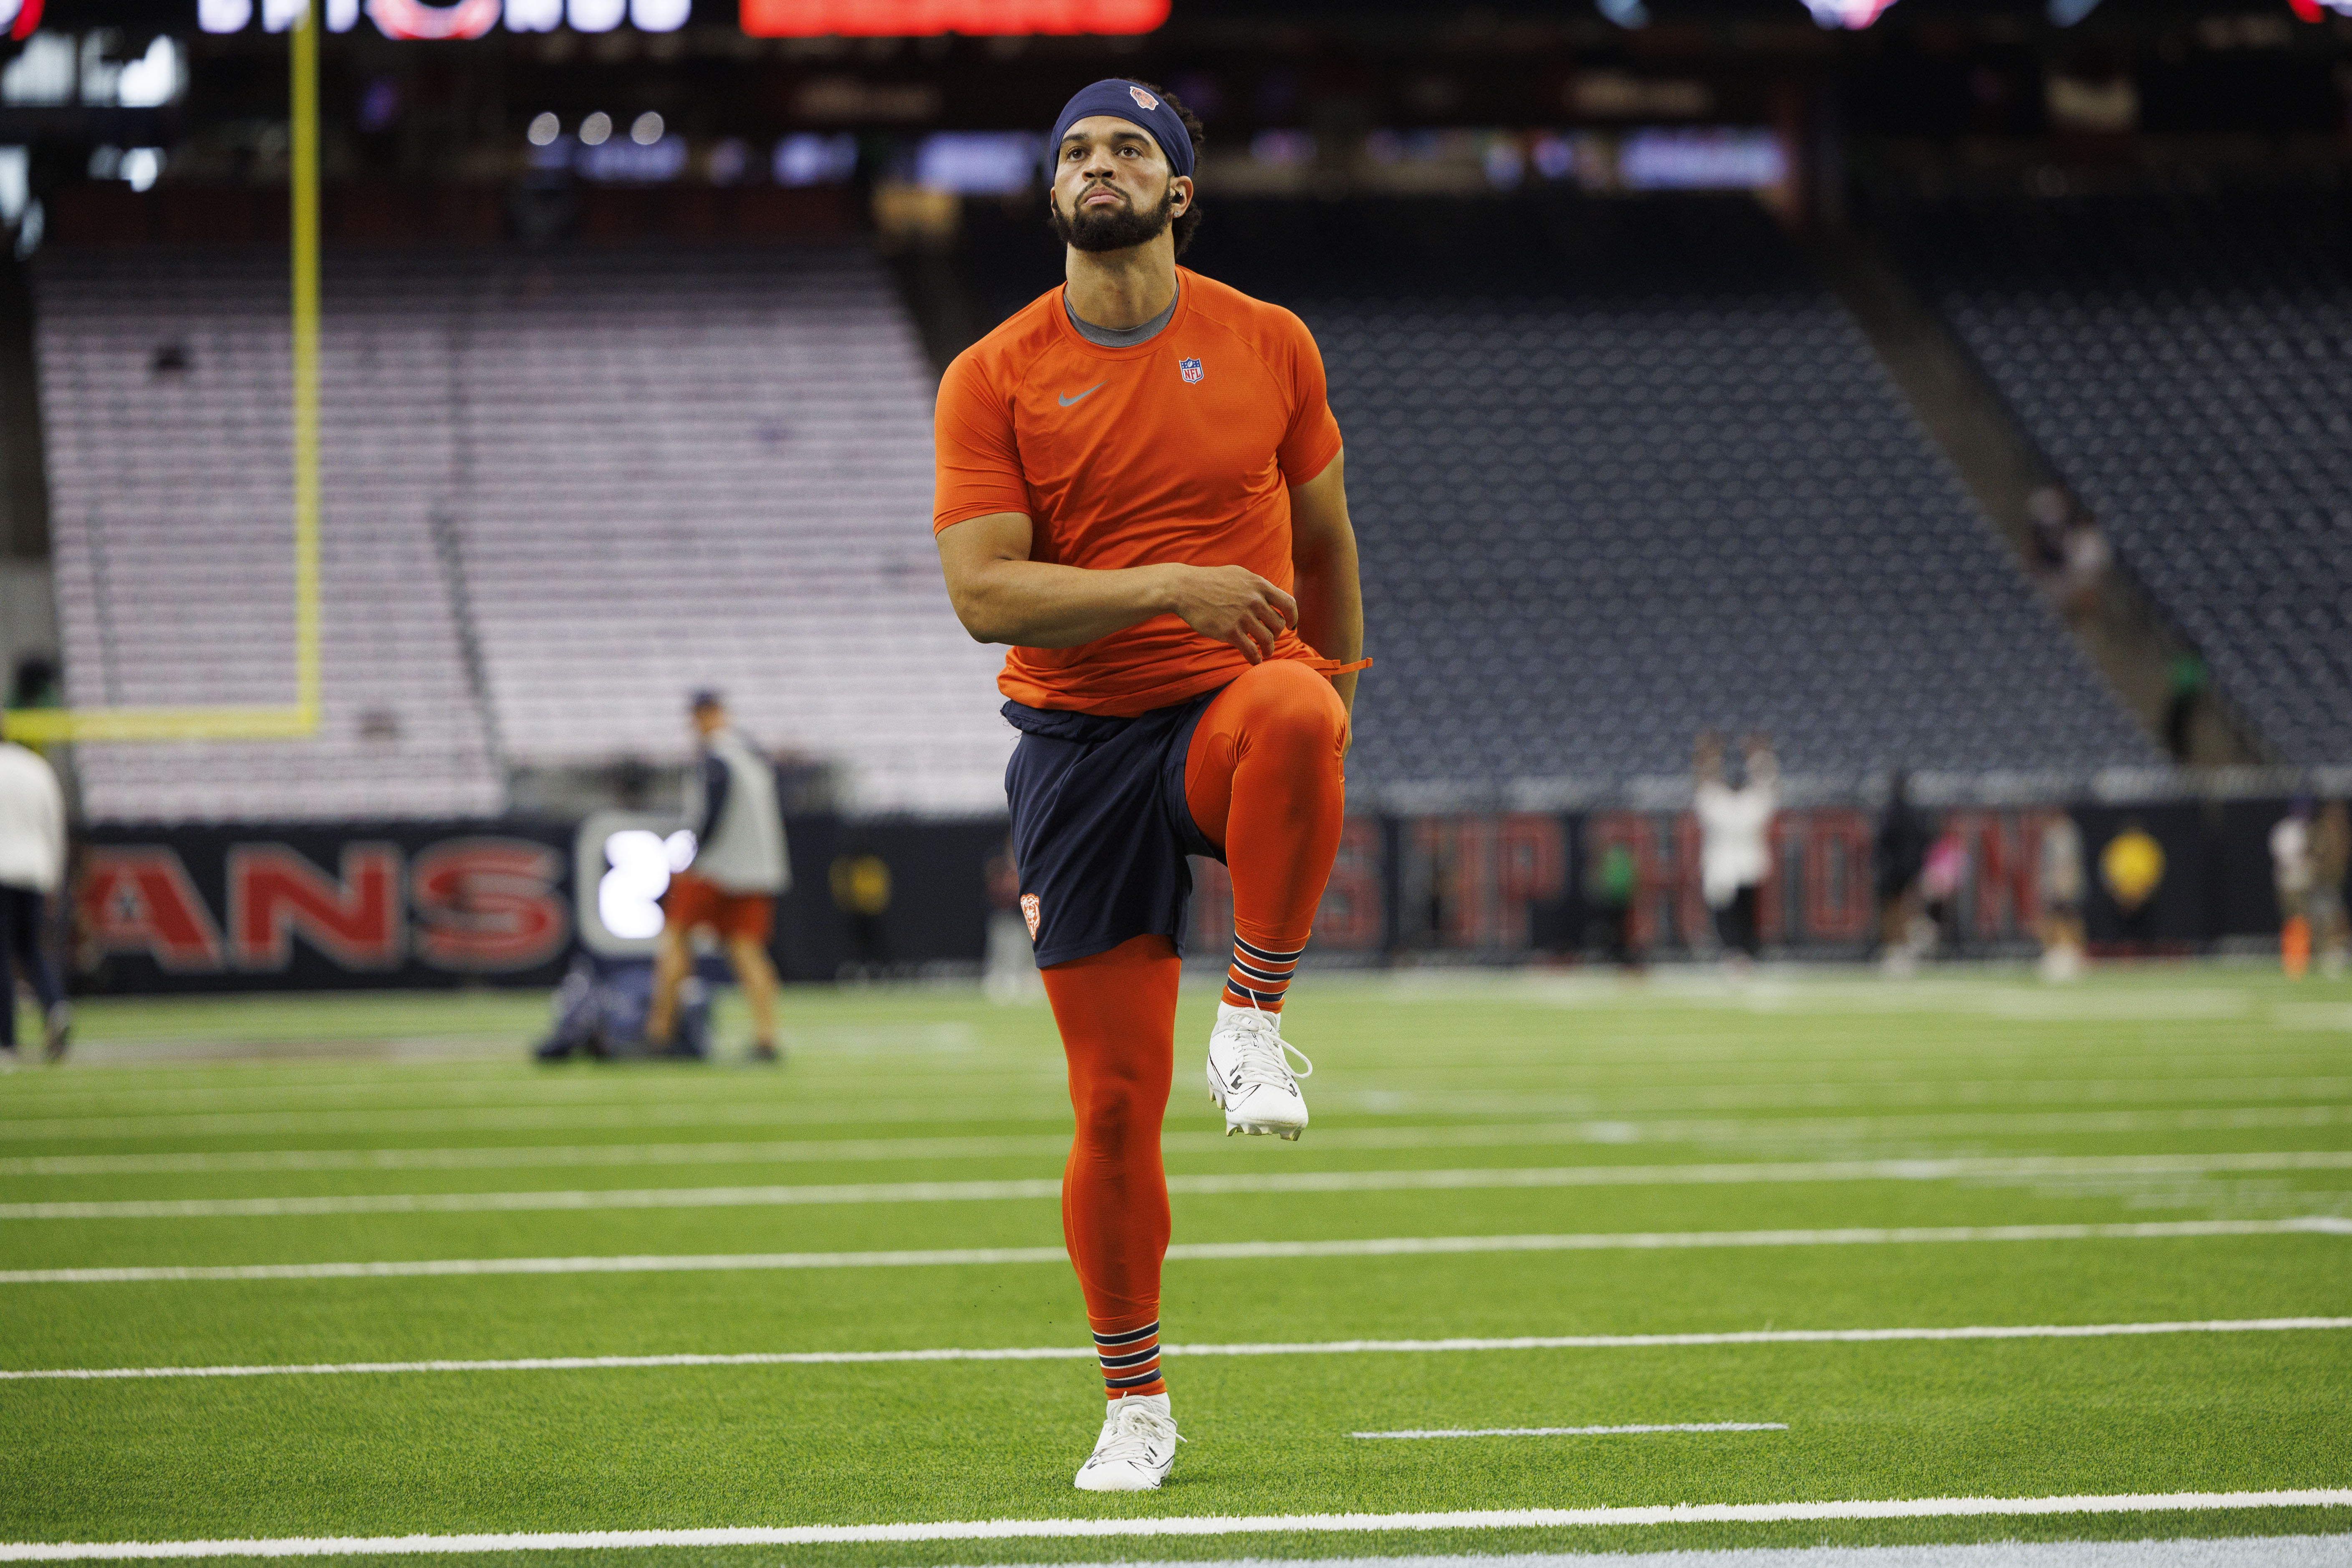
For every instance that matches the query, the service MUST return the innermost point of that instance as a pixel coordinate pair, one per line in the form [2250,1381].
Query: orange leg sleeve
[1264,781]
[1117,1012]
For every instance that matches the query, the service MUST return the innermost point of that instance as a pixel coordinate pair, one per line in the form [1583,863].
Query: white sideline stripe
[851,1150]
[1460,1180]
[68,1112]
[1260,1525]
[1309,1347]
[1215,1251]
[1584,1431]
[527,1155]
[1686,1129]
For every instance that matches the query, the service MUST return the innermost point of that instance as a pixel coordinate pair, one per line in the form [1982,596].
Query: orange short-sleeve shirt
[1180,449]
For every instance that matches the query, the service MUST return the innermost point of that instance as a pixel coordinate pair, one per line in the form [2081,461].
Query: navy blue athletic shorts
[1099,825]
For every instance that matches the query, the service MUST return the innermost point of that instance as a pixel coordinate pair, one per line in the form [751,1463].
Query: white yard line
[1263,1524]
[1472,1179]
[1437,1084]
[1583,1431]
[2191,1551]
[1585,1127]
[1385,1247]
[860,1149]
[1037,1107]
[1309,1347]
[531,1156]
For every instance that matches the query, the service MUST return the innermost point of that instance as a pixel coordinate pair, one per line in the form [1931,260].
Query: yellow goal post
[301,718]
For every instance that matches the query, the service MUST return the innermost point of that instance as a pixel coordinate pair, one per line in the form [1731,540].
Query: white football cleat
[1250,1076]
[1136,1447]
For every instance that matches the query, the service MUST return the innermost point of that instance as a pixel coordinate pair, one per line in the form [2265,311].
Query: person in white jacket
[32,868]
[1734,826]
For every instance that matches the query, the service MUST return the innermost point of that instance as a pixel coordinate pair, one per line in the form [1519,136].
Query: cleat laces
[1260,1053]
[1135,1430]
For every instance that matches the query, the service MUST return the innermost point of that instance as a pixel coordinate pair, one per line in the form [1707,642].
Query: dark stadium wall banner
[303,906]
[313,906]
[934,898]
[1511,887]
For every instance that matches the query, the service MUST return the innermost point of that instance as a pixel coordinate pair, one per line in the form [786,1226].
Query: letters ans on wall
[240,908]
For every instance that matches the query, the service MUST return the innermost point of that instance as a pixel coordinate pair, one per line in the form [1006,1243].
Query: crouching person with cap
[730,890]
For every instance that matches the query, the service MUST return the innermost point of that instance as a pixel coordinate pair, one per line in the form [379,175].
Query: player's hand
[1234,605]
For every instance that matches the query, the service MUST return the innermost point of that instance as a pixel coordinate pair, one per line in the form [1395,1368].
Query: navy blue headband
[1141,106]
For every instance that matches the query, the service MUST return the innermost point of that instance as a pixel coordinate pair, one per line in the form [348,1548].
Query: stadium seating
[164,384]
[1621,470]
[607,476]
[2187,362]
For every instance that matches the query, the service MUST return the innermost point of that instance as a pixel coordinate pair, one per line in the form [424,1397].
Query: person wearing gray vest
[729,888]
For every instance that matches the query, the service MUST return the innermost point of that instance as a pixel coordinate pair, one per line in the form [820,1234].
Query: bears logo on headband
[1124,100]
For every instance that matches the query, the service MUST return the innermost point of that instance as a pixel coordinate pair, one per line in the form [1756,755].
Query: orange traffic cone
[2294,946]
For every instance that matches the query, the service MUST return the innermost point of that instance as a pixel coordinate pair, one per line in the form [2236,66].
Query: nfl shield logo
[1189,369]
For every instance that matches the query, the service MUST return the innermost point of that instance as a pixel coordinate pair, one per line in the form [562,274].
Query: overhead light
[647,129]
[596,130]
[544,128]
[141,166]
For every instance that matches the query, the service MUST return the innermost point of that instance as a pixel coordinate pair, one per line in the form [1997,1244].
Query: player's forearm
[1034,604]
[1332,609]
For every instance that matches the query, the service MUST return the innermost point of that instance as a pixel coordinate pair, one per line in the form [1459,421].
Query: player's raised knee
[1298,701]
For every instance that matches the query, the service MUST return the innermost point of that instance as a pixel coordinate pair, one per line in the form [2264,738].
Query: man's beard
[1120,228]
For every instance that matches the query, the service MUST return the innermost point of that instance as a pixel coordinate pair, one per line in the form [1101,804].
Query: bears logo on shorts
[1029,913]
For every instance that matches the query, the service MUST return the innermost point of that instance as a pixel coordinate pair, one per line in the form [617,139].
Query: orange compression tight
[1262,780]
[1117,1012]
[1264,784]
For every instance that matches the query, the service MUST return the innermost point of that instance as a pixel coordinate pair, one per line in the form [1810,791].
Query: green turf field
[1682,1157]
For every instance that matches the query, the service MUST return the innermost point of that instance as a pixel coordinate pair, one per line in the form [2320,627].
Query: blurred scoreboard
[441,19]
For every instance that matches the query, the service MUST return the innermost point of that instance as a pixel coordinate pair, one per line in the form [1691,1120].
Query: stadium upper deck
[561,493]
[1621,468]
[2187,360]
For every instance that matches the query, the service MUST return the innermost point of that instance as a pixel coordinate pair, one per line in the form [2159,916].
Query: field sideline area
[354,1268]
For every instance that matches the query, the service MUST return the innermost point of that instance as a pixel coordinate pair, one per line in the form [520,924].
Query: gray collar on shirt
[1120,337]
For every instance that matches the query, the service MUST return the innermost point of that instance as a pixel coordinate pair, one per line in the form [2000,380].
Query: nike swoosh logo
[1088,392]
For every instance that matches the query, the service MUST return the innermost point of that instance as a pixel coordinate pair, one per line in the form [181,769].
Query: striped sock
[1131,1360]
[1259,976]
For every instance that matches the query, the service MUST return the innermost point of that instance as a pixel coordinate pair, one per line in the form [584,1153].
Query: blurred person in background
[861,891]
[2048,508]
[729,888]
[32,868]
[2059,878]
[1898,853]
[2088,556]
[2331,858]
[2291,877]
[1942,875]
[2185,681]
[1141,491]
[1610,890]
[34,683]
[1734,826]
